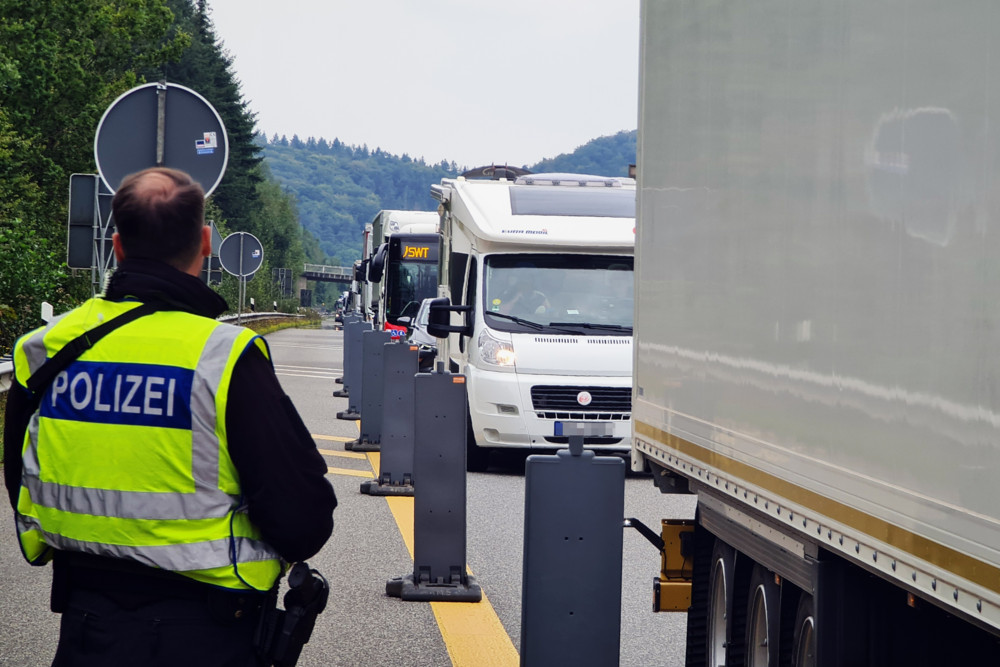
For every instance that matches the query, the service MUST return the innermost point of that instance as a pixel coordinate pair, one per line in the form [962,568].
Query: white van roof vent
[577,180]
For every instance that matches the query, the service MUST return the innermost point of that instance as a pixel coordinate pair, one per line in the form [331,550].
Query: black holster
[281,633]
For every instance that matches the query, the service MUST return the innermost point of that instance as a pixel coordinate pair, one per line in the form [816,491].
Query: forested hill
[340,188]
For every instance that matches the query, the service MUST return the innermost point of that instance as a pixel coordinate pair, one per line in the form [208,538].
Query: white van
[545,264]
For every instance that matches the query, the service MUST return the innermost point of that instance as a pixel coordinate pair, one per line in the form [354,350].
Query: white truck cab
[545,264]
[402,266]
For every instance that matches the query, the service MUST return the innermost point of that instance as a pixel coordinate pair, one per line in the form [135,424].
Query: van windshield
[585,294]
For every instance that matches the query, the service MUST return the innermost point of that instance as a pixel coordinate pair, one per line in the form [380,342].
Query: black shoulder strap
[44,376]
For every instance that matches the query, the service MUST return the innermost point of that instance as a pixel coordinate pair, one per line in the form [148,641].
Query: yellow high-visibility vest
[127,456]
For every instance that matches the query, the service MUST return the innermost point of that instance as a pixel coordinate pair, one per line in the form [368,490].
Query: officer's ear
[117,244]
[206,241]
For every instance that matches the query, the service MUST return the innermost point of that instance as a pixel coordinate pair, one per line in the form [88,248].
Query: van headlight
[495,352]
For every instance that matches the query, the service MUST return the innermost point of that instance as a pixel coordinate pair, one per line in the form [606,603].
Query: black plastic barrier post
[349,319]
[353,367]
[399,363]
[439,511]
[572,579]
[372,345]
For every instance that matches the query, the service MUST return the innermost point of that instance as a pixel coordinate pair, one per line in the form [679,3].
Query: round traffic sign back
[241,254]
[167,121]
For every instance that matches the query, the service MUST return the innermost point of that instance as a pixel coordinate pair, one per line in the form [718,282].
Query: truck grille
[557,402]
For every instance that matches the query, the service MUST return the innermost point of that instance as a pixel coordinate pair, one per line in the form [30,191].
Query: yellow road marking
[335,438]
[348,471]
[472,631]
[473,634]
[344,455]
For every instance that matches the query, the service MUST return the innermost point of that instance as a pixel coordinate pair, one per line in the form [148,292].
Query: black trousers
[105,628]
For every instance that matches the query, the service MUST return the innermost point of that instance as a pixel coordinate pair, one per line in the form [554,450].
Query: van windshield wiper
[537,326]
[589,325]
[527,323]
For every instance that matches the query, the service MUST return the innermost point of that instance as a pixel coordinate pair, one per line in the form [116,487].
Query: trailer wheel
[721,577]
[762,619]
[804,636]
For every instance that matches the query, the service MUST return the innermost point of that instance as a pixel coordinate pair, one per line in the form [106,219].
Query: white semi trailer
[817,303]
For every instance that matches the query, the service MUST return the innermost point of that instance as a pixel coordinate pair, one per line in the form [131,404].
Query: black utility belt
[114,575]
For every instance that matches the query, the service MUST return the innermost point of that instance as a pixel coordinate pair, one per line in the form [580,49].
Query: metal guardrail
[7,364]
[250,317]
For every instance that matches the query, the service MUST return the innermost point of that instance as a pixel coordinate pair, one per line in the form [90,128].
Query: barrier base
[341,393]
[349,416]
[374,487]
[363,446]
[339,380]
[406,589]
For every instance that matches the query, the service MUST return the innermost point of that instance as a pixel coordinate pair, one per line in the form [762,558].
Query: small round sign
[241,254]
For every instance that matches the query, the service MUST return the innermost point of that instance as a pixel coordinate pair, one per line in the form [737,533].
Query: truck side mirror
[377,265]
[439,318]
[361,271]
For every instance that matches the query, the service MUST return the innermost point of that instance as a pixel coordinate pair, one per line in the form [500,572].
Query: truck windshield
[411,275]
[588,294]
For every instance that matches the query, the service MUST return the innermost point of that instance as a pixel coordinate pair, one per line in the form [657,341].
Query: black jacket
[282,475]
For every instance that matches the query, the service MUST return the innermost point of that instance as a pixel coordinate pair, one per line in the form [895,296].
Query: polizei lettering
[132,394]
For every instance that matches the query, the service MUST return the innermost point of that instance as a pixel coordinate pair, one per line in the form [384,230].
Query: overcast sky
[473,81]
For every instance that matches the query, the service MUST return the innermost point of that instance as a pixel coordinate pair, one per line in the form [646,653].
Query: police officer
[164,472]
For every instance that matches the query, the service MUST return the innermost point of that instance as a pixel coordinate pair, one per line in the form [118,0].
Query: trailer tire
[804,634]
[763,619]
[720,603]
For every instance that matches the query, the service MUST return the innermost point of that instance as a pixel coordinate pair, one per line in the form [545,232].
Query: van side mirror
[439,318]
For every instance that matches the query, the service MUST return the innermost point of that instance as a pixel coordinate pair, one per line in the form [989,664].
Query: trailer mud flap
[672,590]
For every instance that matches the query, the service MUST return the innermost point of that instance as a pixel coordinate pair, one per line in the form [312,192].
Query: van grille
[559,402]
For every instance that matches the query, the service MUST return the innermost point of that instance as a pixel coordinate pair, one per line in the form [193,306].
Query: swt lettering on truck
[131,394]
[414,252]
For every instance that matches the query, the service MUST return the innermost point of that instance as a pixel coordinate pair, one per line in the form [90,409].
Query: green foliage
[278,227]
[340,188]
[604,156]
[62,62]
[33,272]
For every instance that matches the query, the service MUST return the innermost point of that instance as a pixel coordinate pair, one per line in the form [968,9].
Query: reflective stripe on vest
[126,455]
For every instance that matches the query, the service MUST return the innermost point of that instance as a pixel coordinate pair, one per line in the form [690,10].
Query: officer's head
[160,214]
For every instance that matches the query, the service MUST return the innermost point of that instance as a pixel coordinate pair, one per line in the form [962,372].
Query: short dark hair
[158,214]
